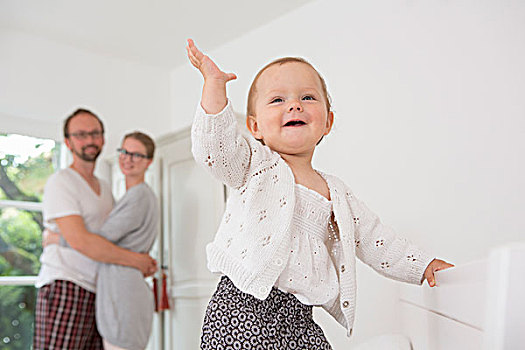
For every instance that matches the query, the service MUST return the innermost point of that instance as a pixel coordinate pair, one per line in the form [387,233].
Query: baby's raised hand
[214,91]
[205,65]
[435,265]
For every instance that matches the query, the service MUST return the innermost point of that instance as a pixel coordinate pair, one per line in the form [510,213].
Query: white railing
[17,280]
[32,206]
[480,305]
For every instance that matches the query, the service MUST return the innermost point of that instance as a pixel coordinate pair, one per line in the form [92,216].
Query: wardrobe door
[192,204]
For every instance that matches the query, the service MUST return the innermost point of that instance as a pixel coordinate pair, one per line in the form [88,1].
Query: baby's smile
[294,123]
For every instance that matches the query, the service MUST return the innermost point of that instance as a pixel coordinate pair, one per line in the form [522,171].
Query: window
[25,164]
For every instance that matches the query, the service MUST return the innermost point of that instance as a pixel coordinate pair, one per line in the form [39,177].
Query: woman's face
[134,161]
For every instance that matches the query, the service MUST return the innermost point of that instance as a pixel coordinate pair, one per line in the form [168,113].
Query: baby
[290,234]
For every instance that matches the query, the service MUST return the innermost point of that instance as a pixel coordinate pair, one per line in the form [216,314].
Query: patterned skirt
[236,320]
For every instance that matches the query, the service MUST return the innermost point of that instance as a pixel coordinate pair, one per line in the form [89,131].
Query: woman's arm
[50,237]
[128,215]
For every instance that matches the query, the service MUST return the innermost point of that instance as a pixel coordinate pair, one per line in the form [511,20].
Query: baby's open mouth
[295,123]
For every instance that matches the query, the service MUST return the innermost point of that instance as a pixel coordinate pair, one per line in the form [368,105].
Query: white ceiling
[149,31]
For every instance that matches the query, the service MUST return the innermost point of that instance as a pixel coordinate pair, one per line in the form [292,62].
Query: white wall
[429,124]
[41,82]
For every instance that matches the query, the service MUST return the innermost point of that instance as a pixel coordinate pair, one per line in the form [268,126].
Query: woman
[124,302]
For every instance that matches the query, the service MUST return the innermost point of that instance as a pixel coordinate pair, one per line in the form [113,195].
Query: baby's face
[291,113]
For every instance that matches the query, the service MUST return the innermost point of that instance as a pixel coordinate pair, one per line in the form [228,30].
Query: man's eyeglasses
[82,135]
[133,156]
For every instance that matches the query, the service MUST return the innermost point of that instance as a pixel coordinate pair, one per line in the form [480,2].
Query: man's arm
[100,249]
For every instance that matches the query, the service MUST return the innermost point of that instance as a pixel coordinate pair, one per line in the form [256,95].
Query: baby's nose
[296,105]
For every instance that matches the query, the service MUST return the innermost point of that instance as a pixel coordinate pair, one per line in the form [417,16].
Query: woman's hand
[146,264]
[214,97]
[50,237]
[435,265]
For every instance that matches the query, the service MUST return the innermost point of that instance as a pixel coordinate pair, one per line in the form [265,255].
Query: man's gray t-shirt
[124,302]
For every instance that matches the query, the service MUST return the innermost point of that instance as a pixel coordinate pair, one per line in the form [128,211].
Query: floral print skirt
[237,320]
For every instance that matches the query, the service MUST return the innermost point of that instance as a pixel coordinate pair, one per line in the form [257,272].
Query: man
[77,203]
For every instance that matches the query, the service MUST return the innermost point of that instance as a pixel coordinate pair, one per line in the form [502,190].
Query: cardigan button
[345,304]
[263,290]
[278,261]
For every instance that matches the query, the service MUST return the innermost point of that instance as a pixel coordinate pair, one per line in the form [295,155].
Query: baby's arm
[214,90]
[395,257]
[216,143]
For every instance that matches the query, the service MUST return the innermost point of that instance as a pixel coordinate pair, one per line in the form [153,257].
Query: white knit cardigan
[252,243]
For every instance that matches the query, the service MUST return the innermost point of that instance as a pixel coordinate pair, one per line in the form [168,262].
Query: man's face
[85,137]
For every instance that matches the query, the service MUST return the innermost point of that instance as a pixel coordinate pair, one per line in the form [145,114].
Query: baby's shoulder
[337,186]
[332,180]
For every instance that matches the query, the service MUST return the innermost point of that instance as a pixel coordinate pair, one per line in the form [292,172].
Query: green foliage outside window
[16,316]
[22,178]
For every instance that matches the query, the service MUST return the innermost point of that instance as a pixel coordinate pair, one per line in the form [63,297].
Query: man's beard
[87,157]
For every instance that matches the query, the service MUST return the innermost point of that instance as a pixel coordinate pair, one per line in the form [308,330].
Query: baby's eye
[308,98]
[276,100]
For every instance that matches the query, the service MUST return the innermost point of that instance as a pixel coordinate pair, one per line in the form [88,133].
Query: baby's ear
[329,122]
[251,124]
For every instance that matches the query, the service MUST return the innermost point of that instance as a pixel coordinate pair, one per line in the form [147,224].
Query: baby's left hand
[435,265]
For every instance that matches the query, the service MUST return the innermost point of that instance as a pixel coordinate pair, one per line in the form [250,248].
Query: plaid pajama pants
[65,318]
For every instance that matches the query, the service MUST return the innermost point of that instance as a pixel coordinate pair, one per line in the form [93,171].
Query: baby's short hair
[250,110]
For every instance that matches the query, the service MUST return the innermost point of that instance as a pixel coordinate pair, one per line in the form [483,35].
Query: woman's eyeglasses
[133,156]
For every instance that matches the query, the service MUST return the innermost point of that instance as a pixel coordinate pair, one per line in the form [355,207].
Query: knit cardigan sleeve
[378,246]
[252,243]
[219,147]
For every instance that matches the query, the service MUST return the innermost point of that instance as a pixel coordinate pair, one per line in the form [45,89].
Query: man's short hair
[74,114]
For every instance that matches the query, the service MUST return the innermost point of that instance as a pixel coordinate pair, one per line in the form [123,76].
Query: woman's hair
[145,140]
[250,110]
